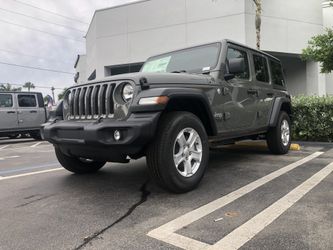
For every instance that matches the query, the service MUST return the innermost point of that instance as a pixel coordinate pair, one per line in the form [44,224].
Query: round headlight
[128,92]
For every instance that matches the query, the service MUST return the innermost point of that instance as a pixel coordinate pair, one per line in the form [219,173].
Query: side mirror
[235,66]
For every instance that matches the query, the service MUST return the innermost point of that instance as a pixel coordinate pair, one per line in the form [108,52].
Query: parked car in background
[21,113]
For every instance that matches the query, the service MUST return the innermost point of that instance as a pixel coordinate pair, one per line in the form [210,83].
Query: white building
[121,38]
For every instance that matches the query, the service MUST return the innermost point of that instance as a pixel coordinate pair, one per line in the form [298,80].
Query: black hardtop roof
[250,48]
[222,41]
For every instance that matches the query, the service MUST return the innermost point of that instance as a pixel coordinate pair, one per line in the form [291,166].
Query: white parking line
[26,147]
[35,145]
[29,174]
[3,147]
[251,228]
[167,231]
[9,157]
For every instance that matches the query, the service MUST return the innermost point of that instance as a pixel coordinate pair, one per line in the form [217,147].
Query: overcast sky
[21,45]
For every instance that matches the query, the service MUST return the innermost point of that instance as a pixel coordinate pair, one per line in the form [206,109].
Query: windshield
[193,60]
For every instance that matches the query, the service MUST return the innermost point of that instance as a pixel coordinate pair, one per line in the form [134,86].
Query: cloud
[38,49]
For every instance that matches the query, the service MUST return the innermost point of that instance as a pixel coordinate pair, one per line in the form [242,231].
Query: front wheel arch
[198,107]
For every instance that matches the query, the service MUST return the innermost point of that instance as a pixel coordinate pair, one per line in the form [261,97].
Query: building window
[92,76]
[277,73]
[6,101]
[122,69]
[236,53]
[27,101]
[261,68]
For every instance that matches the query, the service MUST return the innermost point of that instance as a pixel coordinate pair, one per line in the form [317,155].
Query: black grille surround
[90,102]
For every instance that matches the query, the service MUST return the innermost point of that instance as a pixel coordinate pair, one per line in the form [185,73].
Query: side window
[27,101]
[277,73]
[6,101]
[235,53]
[261,68]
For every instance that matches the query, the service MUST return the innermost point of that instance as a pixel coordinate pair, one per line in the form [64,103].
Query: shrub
[312,118]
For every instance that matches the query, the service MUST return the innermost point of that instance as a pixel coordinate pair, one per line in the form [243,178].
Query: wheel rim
[285,133]
[187,152]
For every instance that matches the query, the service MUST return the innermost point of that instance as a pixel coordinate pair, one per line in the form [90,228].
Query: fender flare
[173,94]
[278,102]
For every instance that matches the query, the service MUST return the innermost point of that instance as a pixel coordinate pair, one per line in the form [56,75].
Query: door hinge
[226,116]
[259,114]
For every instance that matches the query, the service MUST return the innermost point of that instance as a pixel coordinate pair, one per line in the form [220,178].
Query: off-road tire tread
[273,136]
[153,153]
[76,166]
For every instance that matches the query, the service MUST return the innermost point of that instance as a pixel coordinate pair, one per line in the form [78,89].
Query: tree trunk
[258,21]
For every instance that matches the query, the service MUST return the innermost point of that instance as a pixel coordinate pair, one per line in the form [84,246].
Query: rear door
[30,114]
[264,87]
[8,112]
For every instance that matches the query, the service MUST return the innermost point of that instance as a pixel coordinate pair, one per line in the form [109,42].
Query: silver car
[21,113]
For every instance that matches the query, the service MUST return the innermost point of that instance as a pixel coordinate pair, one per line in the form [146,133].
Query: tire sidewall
[171,174]
[283,116]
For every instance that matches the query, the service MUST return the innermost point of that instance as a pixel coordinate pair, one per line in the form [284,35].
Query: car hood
[160,78]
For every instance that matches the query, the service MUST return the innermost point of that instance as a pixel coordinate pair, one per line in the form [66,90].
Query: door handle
[33,111]
[11,112]
[253,92]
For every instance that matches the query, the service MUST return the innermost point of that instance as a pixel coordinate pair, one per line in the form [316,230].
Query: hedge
[312,118]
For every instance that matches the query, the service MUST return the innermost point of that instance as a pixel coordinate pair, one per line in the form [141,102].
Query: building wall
[286,25]
[81,68]
[133,32]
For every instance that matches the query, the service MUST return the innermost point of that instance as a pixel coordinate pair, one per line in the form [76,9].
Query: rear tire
[77,165]
[278,138]
[13,136]
[180,138]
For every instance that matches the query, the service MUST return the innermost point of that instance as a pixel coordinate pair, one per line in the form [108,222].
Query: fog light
[117,135]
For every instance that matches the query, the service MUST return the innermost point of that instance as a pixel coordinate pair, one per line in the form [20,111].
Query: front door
[30,115]
[8,114]
[240,108]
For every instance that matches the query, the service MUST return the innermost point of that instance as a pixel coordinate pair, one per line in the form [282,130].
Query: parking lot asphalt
[248,199]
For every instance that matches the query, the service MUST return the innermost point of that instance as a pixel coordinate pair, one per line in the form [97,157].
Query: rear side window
[6,101]
[277,73]
[236,53]
[26,101]
[261,68]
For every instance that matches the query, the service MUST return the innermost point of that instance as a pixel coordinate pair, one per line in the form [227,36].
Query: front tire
[278,138]
[178,156]
[77,165]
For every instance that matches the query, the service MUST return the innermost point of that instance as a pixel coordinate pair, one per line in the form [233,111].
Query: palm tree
[258,5]
[8,87]
[258,21]
[62,94]
[29,85]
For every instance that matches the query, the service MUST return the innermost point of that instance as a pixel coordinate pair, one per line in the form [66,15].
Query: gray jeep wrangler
[179,106]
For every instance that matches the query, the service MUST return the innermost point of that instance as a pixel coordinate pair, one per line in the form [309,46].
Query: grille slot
[91,102]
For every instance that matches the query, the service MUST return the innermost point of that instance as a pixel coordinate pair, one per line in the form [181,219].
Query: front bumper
[95,139]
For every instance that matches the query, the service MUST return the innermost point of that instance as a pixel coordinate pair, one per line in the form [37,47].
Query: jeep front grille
[90,102]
